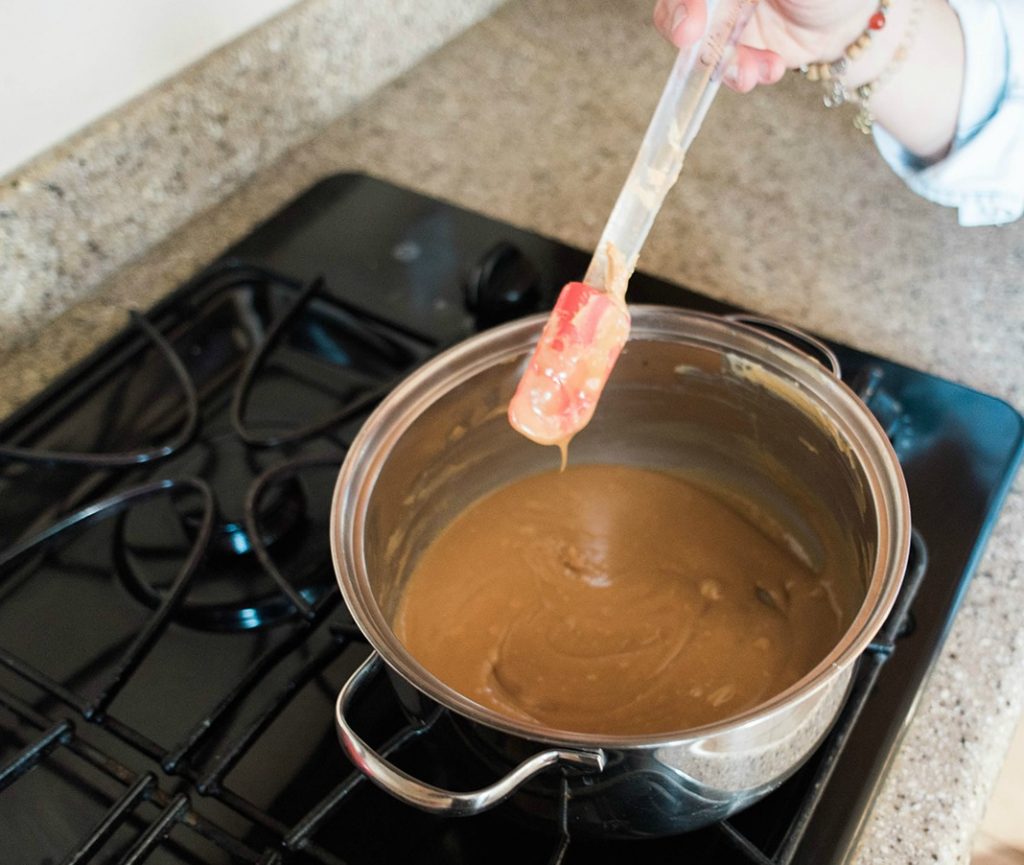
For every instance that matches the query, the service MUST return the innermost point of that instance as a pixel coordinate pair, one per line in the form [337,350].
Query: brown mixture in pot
[615,600]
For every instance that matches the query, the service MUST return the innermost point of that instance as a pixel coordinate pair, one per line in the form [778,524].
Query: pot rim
[451,368]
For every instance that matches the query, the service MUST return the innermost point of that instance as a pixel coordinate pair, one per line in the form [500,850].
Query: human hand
[781,34]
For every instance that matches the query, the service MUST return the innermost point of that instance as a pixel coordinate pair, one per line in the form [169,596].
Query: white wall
[64,63]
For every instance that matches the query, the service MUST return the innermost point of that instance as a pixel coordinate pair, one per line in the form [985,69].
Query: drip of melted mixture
[615,600]
[575,355]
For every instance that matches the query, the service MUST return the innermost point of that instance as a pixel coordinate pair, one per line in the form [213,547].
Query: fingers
[753,66]
[681,22]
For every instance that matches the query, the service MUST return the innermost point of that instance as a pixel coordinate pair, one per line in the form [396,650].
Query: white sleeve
[983,174]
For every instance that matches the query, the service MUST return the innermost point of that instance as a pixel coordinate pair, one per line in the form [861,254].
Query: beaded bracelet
[862,95]
[830,74]
[828,71]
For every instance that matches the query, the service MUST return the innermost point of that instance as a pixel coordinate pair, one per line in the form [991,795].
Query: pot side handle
[425,796]
[771,328]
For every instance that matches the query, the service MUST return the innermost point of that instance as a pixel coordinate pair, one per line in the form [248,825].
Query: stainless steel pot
[707,396]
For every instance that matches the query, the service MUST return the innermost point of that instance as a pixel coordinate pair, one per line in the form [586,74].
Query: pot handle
[425,796]
[767,325]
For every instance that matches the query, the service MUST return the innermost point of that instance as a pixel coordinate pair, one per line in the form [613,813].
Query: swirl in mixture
[615,600]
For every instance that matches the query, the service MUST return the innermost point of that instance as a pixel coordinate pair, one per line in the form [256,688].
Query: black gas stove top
[171,635]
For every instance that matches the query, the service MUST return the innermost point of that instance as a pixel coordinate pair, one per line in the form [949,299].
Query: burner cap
[282,508]
[233,589]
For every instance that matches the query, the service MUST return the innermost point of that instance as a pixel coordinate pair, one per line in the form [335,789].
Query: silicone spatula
[589,324]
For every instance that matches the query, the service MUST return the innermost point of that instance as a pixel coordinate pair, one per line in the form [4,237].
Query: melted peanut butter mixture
[615,600]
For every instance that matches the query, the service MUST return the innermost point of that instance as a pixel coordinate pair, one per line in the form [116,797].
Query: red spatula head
[581,341]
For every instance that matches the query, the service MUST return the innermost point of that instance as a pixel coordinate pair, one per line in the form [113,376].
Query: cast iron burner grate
[172,811]
[171,637]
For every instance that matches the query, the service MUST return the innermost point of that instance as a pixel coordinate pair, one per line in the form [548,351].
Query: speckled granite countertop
[533,117]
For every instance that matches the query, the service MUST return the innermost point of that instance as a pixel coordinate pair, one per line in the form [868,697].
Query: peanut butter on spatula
[577,350]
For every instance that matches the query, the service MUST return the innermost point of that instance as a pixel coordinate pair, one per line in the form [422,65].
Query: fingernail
[732,74]
[678,17]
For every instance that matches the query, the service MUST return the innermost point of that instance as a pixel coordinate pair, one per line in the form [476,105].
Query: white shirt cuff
[983,174]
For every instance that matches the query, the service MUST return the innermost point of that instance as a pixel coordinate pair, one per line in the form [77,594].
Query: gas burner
[242,609]
[281,510]
[255,517]
[230,467]
[283,474]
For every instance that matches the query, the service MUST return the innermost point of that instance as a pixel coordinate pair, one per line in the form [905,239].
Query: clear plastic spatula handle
[589,325]
[688,94]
